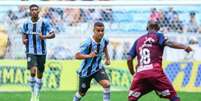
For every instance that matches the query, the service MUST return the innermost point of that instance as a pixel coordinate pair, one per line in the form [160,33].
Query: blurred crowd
[170,21]
[61,17]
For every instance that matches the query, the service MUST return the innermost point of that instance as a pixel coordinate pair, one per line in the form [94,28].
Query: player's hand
[25,41]
[92,55]
[42,37]
[107,62]
[188,49]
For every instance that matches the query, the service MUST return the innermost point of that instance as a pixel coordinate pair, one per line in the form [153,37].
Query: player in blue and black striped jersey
[35,31]
[92,51]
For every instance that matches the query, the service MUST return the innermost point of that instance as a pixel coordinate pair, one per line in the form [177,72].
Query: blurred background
[123,24]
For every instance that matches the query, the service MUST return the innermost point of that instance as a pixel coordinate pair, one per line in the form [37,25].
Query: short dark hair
[100,24]
[152,25]
[33,5]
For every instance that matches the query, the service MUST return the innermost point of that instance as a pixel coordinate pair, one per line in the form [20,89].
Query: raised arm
[177,45]
[164,41]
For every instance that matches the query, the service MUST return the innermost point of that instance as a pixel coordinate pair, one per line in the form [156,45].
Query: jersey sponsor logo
[35,33]
[83,85]
[144,67]
[148,43]
[134,94]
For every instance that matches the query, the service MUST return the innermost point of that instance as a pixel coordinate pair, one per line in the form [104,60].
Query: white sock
[32,82]
[38,86]
[77,97]
[106,94]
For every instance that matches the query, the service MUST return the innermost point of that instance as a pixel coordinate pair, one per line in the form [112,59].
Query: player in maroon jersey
[149,74]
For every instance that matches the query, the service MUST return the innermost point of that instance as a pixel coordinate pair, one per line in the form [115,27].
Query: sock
[38,86]
[32,82]
[77,97]
[175,98]
[106,94]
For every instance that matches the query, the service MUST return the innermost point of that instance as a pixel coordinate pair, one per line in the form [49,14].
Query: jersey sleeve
[162,39]
[84,47]
[132,53]
[23,28]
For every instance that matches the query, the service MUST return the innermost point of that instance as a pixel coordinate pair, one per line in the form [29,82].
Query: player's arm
[80,56]
[130,65]
[107,56]
[164,41]
[84,50]
[131,56]
[177,45]
[50,30]
[51,35]
[24,39]
[23,29]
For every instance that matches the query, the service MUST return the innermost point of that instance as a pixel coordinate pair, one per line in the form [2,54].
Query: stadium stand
[120,22]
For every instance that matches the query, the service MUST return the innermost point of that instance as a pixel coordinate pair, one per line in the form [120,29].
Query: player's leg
[139,87]
[41,59]
[32,63]
[164,88]
[84,85]
[102,78]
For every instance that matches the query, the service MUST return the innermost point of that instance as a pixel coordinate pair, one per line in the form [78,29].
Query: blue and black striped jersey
[32,30]
[90,66]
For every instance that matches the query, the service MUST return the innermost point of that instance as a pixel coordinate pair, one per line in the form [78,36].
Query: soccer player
[149,74]
[91,51]
[35,31]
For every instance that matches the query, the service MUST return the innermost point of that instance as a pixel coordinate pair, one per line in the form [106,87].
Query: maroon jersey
[149,51]
[150,76]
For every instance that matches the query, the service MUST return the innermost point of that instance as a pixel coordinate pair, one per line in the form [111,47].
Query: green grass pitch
[91,96]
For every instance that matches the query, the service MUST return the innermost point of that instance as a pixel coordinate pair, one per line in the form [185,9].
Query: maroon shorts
[156,81]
